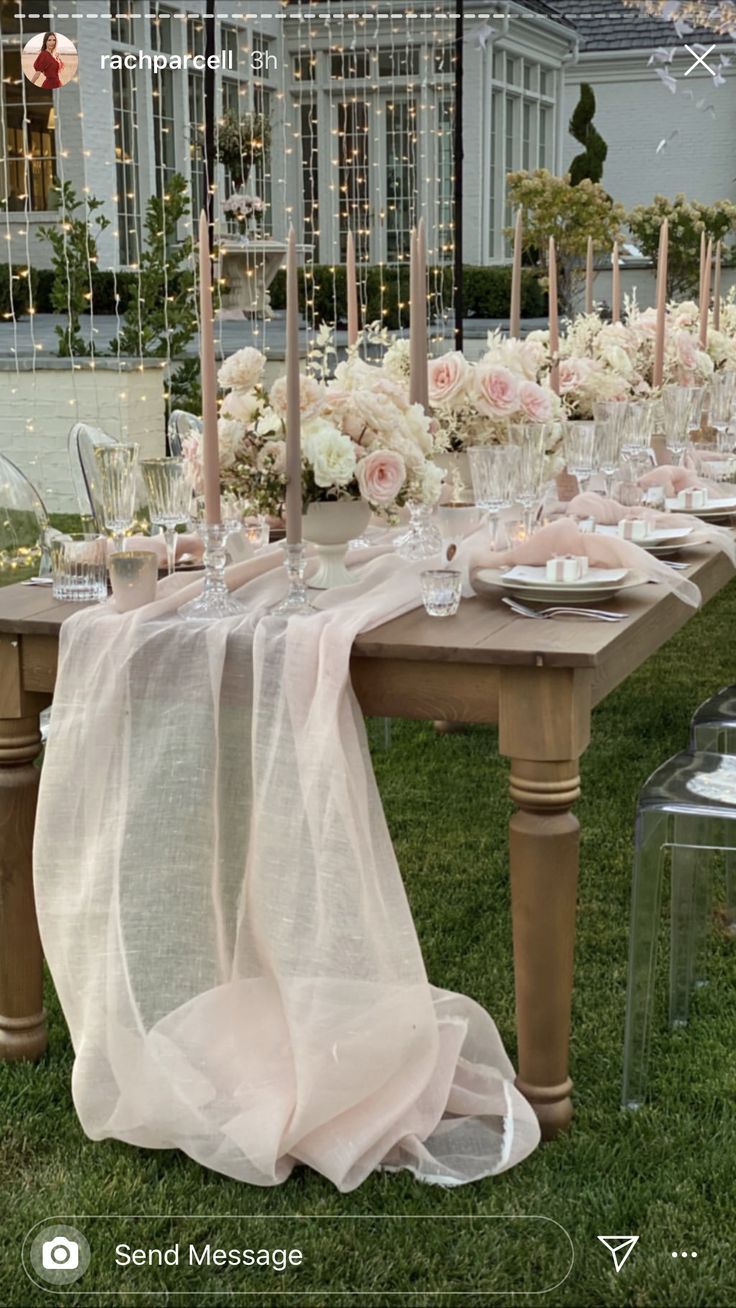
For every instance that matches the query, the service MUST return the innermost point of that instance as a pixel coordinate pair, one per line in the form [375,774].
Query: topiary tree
[554,207]
[687,219]
[590,162]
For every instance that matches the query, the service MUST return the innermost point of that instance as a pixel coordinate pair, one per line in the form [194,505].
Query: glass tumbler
[79,568]
[441,591]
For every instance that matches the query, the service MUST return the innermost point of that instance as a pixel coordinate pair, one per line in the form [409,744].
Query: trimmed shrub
[487,293]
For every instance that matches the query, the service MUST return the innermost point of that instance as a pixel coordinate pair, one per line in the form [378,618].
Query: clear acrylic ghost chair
[24,523]
[686,808]
[713,729]
[82,442]
[181,425]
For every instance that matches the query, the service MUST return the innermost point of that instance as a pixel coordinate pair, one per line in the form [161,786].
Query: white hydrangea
[330,453]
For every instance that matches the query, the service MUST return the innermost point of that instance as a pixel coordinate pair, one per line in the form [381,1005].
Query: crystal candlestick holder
[296,599]
[215,600]
[423,539]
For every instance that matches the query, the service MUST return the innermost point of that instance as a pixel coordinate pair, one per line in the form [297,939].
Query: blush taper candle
[659,339]
[515,308]
[717,290]
[419,375]
[615,285]
[554,325]
[589,276]
[210,442]
[352,284]
[293,416]
[705,295]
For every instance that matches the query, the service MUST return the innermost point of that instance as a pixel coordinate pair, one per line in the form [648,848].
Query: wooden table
[538,680]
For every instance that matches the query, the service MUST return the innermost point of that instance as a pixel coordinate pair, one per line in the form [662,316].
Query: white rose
[331,454]
[427,485]
[242,405]
[229,437]
[269,424]
[242,370]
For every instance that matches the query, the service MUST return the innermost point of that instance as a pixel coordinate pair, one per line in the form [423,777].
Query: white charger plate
[711,512]
[598,584]
[664,540]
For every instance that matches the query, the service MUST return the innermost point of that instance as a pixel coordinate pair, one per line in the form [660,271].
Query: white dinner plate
[598,584]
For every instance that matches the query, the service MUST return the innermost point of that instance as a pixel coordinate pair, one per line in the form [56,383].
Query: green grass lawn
[667,1173]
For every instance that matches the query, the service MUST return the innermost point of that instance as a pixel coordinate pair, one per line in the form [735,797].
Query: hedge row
[40,283]
[487,293]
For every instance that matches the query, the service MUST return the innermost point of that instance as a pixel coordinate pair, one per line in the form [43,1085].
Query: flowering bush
[687,220]
[361,438]
[473,404]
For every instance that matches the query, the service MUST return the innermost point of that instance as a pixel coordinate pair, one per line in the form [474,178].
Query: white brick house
[361,117]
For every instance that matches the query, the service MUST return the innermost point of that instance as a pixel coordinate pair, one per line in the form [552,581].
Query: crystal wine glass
[580,450]
[531,440]
[117,465]
[494,471]
[169,490]
[678,407]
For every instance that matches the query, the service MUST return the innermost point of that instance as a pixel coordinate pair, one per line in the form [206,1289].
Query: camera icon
[60,1255]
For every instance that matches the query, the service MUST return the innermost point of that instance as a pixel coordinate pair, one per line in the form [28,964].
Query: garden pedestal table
[538,680]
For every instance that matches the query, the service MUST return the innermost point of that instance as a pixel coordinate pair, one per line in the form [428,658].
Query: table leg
[22,1017]
[544,723]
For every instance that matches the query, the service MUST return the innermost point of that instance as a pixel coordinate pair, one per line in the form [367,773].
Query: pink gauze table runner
[222,910]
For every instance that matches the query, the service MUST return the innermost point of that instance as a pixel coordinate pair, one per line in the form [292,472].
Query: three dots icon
[685,1254]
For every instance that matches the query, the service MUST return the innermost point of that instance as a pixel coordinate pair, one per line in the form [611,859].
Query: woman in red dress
[49,63]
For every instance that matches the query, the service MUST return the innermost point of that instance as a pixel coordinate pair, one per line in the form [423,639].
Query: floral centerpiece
[361,438]
[474,403]
[244,209]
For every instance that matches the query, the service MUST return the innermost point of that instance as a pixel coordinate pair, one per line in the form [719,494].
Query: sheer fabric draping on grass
[223,913]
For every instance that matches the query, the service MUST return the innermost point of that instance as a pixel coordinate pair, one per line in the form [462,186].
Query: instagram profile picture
[49,60]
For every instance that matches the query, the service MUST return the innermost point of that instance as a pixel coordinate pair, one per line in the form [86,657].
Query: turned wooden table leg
[544,718]
[22,1017]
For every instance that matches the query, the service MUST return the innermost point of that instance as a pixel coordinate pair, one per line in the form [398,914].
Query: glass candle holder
[79,568]
[296,601]
[133,577]
[215,601]
[441,589]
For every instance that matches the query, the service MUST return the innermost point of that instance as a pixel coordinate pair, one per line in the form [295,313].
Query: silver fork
[599,615]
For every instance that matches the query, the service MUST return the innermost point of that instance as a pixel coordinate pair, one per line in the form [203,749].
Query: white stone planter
[41,404]
[331,527]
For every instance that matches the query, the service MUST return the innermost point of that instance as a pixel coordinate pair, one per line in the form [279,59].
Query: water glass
[722,405]
[79,568]
[580,450]
[133,577]
[638,424]
[117,466]
[532,440]
[441,591]
[681,410]
[494,470]
[169,490]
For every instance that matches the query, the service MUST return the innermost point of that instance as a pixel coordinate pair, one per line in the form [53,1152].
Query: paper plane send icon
[619,1247]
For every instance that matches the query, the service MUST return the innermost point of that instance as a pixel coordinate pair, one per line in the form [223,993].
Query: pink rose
[447,376]
[574,373]
[496,391]
[381,476]
[687,351]
[536,402]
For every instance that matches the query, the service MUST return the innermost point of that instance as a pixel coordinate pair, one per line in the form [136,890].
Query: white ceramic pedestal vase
[331,526]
